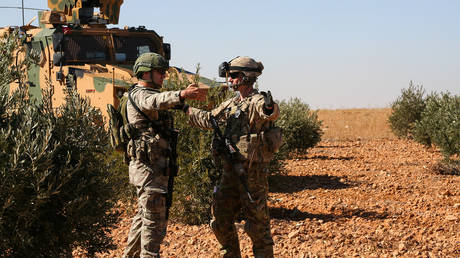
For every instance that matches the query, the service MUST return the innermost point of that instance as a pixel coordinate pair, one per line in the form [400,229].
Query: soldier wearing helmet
[245,66]
[248,119]
[149,150]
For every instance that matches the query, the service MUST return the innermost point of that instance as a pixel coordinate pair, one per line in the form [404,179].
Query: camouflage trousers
[230,199]
[148,227]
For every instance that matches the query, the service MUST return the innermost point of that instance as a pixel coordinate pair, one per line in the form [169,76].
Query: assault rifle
[173,168]
[230,153]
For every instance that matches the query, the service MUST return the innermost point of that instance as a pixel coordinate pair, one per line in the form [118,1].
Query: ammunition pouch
[272,139]
[150,150]
[261,147]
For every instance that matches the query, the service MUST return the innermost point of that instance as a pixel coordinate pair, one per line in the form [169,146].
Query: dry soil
[367,198]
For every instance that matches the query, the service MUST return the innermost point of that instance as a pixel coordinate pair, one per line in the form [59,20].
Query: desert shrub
[407,110]
[56,188]
[55,183]
[9,47]
[124,191]
[440,123]
[301,126]
[301,130]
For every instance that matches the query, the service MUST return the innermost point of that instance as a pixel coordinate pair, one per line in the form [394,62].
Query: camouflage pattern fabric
[148,170]
[109,9]
[229,199]
[241,118]
[245,122]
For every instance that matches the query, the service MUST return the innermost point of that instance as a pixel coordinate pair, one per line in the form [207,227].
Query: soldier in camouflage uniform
[149,152]
[246,117]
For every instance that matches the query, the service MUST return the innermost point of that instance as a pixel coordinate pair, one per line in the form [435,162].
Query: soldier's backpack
[119,128]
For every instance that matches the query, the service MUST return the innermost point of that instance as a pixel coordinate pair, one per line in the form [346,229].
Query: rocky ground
[369,198]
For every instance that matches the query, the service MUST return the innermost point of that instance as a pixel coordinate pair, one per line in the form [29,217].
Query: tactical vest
[122,132]
[254,146]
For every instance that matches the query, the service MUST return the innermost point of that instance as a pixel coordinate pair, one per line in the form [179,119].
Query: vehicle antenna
[25,8]
[23,22]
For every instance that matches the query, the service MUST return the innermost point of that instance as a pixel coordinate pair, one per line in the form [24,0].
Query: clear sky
[331,54]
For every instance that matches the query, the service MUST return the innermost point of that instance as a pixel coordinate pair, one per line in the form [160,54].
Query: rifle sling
[152,123]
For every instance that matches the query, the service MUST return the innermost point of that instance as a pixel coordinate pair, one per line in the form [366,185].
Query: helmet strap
[226,79]
[150,81]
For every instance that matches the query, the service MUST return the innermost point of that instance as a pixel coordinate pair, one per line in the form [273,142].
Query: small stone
[402,246]
[293,234]
[451,217]
[447,193]
[276,231]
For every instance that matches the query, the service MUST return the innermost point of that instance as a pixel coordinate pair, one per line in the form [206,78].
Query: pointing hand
[194,92]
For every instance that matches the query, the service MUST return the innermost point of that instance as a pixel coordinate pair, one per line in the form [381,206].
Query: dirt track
[373,198]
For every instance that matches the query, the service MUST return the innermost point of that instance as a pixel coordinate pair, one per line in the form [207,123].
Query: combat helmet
[243,64]
[149,61]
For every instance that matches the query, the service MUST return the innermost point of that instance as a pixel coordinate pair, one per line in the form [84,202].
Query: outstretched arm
[169,99]
[202,118]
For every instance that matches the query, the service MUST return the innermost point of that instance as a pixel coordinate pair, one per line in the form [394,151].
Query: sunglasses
[161,71]
[234,75]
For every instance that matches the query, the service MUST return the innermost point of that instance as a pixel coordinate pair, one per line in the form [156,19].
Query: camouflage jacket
[154,104]
[243,119]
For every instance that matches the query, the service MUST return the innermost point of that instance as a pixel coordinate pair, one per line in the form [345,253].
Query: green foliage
[55,181]
[12,69]
[440,123]
[55,186]
[124,191]
[434,119]
[301,126]
[407,110]
[197,171]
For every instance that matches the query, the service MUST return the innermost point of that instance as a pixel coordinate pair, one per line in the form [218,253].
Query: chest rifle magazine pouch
[249,147]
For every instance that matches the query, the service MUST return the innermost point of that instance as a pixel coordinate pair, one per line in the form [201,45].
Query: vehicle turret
[81,12]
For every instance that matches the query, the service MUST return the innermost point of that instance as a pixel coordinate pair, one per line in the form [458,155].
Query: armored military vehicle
[77,50]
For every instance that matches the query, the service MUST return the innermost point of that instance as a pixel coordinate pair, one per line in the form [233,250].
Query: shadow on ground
[330,146]
[324,157]
[292,184]
[297,215]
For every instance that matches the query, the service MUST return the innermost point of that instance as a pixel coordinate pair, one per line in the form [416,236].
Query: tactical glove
[268,102]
